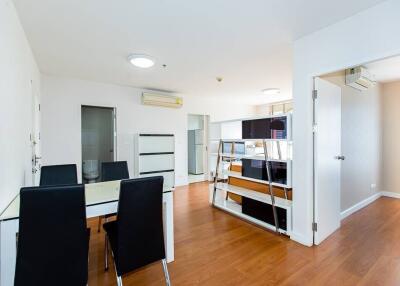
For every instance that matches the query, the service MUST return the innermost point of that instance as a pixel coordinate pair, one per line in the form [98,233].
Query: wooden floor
[215,248]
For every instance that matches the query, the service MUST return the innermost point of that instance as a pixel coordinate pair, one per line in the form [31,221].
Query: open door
[327,159]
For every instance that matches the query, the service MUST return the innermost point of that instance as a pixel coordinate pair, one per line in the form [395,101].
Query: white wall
[61,119]
[391,136]
[361,142]
[17,69]
[365,37]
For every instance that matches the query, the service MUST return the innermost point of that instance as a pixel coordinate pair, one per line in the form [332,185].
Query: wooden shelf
[261,197]
[250,140]
[239,156]
[252,157]
[238,175]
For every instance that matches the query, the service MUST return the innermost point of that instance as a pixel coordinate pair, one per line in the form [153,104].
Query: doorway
[197,147]
[98,140]
[355,164]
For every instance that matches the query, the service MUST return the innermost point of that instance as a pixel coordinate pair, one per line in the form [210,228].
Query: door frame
[115,141]
[304,234]
[206,122]
[35,134]
[114,109]
[314,124]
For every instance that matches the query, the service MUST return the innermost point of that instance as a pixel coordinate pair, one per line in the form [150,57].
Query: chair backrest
[53,240]
[111,171]
[140,223]
[56,175]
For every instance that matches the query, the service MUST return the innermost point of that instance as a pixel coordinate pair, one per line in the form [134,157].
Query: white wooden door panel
[327,147]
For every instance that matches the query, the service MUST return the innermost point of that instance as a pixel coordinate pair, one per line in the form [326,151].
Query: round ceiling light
[141,61]
[271,91]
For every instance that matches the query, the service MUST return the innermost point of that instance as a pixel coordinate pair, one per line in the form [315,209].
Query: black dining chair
[137,237]
[55,175]
[53,239]
[112,171]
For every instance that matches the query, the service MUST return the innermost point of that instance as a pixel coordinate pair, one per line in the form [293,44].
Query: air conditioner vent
[359,78]
[161,100]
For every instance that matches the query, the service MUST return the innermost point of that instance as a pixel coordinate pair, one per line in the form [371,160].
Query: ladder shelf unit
[278,210]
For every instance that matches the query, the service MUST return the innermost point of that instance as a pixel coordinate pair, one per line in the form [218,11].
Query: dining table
[101,199]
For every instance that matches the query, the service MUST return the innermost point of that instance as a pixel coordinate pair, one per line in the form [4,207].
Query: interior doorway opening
[197,147]
[98,140]
[356,141]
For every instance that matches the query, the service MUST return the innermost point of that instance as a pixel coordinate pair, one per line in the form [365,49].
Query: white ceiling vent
[359,78]
[162,100]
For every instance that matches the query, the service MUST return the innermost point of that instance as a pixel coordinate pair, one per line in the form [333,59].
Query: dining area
[44,235]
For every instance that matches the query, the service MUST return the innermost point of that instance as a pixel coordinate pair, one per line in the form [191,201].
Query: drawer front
[156,144]
[151,163]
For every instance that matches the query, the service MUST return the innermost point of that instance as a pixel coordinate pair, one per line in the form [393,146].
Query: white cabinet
[155,156]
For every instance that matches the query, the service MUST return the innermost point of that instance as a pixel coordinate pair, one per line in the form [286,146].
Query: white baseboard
[367,201]
[181,183]
[391,195]
[303,240]
[360,205]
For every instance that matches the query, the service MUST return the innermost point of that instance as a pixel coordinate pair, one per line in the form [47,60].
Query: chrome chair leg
[119,278]
[119,281]
[166,274]
[106,253]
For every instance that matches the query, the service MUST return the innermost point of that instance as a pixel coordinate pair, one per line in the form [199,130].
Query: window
[280,108]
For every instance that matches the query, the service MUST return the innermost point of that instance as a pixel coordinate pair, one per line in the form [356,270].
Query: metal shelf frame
[270,183]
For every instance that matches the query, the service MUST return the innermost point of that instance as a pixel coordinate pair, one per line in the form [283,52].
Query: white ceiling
[386,70]
[248,43]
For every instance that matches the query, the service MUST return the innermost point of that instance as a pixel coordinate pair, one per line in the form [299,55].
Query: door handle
[35,159]
[342,158]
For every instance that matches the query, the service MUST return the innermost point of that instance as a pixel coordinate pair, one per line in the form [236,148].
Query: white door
[327,159]
[35,136]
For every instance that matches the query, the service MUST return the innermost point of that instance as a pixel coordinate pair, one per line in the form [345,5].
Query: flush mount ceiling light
[141,61]
[271,91]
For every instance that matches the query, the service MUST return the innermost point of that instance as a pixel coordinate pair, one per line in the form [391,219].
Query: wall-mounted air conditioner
[359,78]
[161,100]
